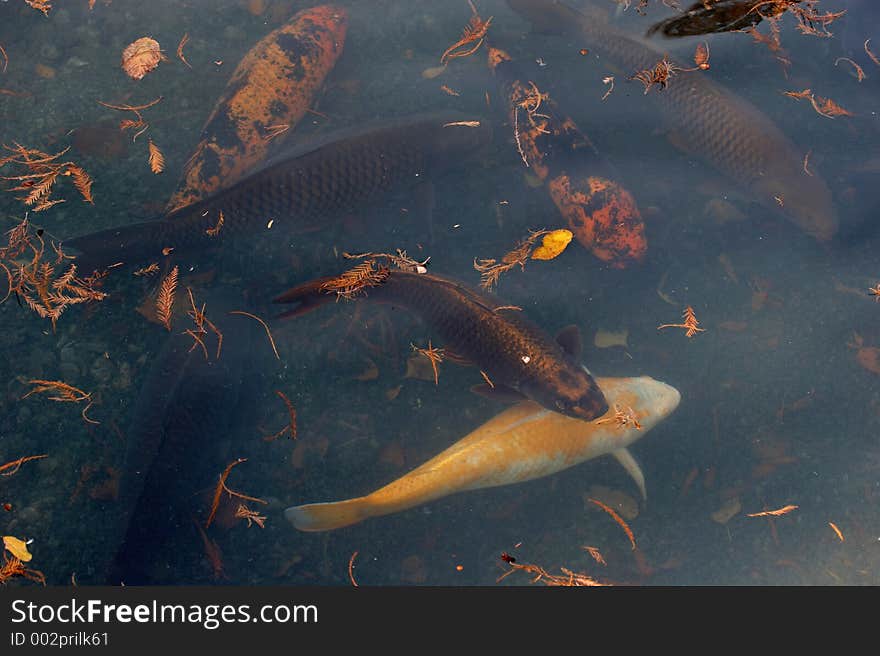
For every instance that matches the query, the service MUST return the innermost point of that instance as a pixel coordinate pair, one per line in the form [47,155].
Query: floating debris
[837,531]
[141,57]
[66,393]
[165,298]
[180,46]
[15,465]
[690,323]
[475,30]
[824,106]
[17,548]
[434,355]
[568,577]
[728,511]
[773,513]
[157,159]
[553,244]
[617,518]
[491,270]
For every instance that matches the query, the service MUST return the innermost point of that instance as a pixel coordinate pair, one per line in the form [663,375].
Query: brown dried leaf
[180,46]
[82,181]
[141,57]
[17,548]
[165,298]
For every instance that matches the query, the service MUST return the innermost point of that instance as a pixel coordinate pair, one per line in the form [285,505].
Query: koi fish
[727,131]
[719,16]
[309,181]
[522,443]
[520,359]
[270,90]
[602,214]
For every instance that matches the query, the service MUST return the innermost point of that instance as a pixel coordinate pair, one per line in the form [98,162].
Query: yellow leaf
[552,245]
[157,159]
[430,73]
[17,548]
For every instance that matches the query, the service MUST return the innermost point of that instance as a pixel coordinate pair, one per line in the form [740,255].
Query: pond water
[758,212]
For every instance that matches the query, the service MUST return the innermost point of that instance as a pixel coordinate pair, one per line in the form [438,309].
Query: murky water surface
[780,401]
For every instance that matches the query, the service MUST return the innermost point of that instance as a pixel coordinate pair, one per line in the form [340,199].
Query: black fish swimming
[519,358]
[185,405]
[309,181]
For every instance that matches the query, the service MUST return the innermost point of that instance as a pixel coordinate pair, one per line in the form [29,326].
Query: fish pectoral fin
[498,393]
[626,460]
[569,338]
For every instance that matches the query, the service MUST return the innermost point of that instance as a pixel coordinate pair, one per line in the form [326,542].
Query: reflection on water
[779,398]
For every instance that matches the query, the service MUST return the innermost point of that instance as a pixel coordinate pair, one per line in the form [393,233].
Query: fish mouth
[588,414]
[579,412]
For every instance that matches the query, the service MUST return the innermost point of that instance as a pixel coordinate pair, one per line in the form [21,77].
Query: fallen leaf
[17,548]
[728,511]
[141,57]
[46,72]
[607,338]
[552,244]
[620,502]
[419,367]
[431,73]
[157,159]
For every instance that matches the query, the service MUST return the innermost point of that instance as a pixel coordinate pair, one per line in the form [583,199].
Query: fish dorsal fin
[569,338]
[632,468]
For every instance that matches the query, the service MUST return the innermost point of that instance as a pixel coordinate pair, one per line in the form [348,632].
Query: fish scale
[513,351]
[712,122]
[316,180]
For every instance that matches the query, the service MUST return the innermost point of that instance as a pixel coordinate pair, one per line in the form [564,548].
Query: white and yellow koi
[524,442]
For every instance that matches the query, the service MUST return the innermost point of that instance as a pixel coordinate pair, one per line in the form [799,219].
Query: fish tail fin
[308,296]
[327,516]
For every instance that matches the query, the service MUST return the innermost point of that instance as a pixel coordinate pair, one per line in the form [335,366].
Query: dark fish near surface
[730,133]
[601,213]
[719,16]
[185,406]
[309,181]
[272,87]
[518,357]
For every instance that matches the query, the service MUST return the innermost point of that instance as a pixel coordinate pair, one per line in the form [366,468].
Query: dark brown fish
[718,16]
[519,358]
[710,121]
[310,181]
[272,88]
